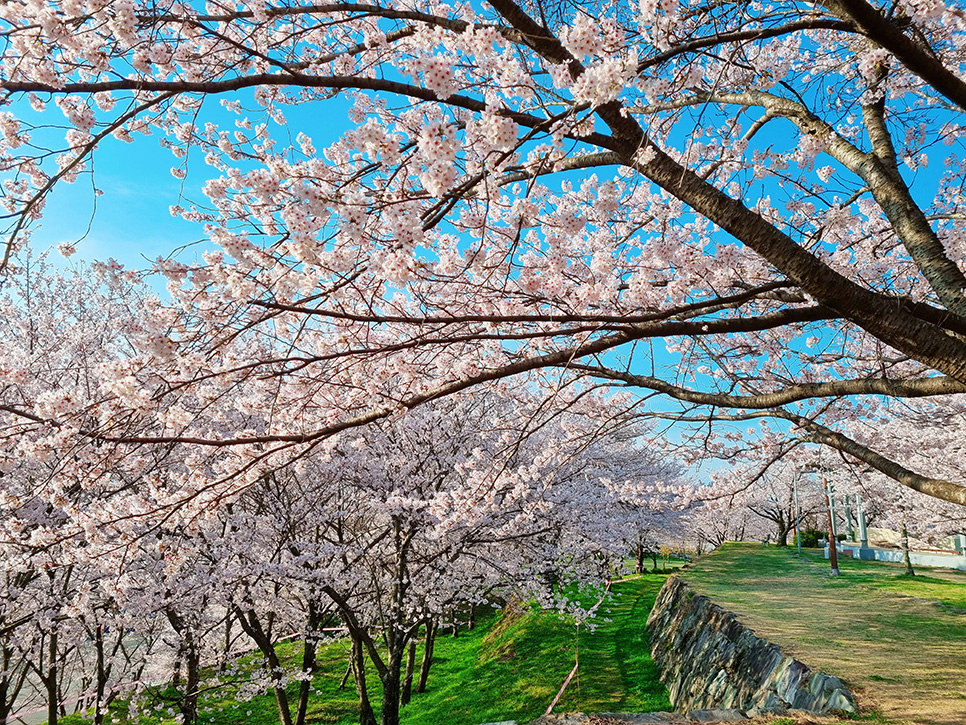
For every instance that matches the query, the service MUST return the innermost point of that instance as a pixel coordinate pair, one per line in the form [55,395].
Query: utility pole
[831,508]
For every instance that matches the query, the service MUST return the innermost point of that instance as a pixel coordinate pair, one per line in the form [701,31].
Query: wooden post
[833,552]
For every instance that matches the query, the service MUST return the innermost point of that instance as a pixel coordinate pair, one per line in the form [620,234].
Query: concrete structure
[950,560]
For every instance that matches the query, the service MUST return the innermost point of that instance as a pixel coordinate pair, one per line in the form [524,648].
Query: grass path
[900,642]
[514,669]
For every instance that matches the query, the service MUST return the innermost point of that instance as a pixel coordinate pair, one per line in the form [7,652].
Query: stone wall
[709,659]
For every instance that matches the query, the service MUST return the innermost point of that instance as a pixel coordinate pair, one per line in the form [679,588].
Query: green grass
[897,640]
[509,667]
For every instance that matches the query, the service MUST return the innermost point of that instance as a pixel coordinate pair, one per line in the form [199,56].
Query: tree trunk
[176,667]
[782,536]
[99,705]
[189,704]
[905,551]
[639,563]
[50,680]
[391,681]
[249,622]
[345,677]
[190,655]
[12,678]
[407,688]
[366,715]
[430,642]
[309,647]
[5,706]
[226,652]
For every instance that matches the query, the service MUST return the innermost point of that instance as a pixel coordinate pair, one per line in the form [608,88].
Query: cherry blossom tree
[533,187]
[58,328]
[773,499]
[715,520]
[452,505]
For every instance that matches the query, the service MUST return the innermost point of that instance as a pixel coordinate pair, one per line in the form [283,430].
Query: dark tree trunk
[407,688]
[391,681]
[5,705]
[833,551]
[366,715]
[253,628]
[176,667]
[309,647]
[226,651]
[782,536]
[189,706]
[430,642]
[345,677]
[12,679]
[50,679]
[102,674]
[905,551]
[190,656]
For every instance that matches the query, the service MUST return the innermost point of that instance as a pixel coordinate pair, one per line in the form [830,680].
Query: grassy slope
[507,667]
[899,641]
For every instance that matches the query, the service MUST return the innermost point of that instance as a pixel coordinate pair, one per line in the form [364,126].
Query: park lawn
[899,641]
[509,667]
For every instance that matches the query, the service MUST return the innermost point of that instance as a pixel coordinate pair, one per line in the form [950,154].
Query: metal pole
[848,518]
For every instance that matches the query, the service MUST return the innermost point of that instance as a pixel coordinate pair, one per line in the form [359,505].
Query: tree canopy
[771,191]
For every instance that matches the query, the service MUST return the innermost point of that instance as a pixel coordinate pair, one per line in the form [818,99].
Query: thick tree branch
[918,388]
[874,313]
[885,33]
[878,170]
[935,487]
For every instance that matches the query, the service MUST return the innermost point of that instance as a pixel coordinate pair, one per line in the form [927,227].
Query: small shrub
[810,537]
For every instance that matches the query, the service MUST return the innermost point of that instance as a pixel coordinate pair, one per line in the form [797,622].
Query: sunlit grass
[508,667]
[899,641]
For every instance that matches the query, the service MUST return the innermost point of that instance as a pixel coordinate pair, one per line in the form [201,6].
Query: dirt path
[902,654]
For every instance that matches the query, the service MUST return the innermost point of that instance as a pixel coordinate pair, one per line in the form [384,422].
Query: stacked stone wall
[709,659]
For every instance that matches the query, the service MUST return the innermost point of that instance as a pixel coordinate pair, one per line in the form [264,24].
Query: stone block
[770,704]
[841,700]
